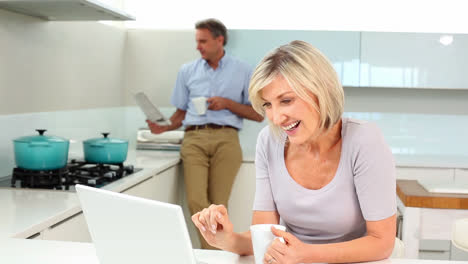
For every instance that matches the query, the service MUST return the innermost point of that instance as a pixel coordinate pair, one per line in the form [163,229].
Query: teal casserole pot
[105,150]
[41,152]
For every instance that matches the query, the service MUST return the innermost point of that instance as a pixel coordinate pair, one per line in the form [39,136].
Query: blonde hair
[308,72]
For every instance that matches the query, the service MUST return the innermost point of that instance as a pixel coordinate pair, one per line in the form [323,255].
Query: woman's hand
[289,252]
[215,226]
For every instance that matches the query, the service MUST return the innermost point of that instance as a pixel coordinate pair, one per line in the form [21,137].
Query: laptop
[127,229]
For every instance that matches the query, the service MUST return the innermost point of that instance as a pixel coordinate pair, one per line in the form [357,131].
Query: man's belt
[212,126]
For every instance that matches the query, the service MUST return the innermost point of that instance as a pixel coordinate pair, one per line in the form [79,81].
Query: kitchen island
[19,251]
[428,217]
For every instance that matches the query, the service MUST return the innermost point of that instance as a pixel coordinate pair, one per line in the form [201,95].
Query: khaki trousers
[211,159]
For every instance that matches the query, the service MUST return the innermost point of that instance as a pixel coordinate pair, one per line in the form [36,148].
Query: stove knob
[129,169]
[110,174]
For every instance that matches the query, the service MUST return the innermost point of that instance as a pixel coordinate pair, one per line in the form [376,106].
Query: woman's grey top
[363,188]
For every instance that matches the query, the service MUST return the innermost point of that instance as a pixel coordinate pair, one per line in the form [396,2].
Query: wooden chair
[460,234]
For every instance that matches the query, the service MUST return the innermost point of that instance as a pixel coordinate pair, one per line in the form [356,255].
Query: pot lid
[105,140]
[41,138]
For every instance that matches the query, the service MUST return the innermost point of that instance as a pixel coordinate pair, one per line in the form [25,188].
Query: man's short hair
[215,27]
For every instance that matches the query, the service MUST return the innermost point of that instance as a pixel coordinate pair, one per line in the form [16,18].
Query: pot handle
[41,131]
[39,144]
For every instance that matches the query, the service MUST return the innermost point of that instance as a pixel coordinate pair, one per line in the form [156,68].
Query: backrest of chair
[398,249]
[460,234]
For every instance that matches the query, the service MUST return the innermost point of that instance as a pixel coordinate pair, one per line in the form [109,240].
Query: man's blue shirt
[229,80]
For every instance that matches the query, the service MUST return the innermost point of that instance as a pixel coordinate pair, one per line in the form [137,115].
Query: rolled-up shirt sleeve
[245,88]
[263,194]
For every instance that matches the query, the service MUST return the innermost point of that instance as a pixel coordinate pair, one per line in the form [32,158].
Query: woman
[330,179]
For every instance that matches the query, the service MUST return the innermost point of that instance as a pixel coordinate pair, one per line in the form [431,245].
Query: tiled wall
[57,66]
[421,134]
[76,125]
[79,125]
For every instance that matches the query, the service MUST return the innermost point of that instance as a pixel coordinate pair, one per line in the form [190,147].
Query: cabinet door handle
[64,220]
[432,251]
[34,236]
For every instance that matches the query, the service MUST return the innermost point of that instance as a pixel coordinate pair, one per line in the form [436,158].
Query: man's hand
[243,110]
[218,103]
[155,128]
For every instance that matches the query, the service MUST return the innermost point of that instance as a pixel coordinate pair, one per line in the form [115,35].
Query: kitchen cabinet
[70,10]
[242,197]
[144,189]
[239,205]
[167,183]
[413,60]
[73,228]
[434,249]
[420,224]
[163,187]
[441,250]
[342,48]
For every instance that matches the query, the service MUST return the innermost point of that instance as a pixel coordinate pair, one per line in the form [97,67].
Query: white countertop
[24,212]
[20,251]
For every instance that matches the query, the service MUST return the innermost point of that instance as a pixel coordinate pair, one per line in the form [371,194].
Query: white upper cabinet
[66,10]
[342,48]
[414,60]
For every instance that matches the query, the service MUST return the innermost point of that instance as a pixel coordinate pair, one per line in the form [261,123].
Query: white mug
[200,104]
[262,238]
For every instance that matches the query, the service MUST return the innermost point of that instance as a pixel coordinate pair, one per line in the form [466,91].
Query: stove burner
[76,172]
[47,179]
[96,174]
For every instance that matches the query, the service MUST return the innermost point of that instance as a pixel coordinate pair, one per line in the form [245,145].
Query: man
[210,152]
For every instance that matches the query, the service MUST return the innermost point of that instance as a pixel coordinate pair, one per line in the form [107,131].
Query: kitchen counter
[412,194]
[427,216]
[152,162]
[19,251]
[24,212]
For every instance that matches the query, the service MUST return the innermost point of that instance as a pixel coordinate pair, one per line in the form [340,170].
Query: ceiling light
[446,40]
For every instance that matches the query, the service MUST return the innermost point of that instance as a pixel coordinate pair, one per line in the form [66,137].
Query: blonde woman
[330,179]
